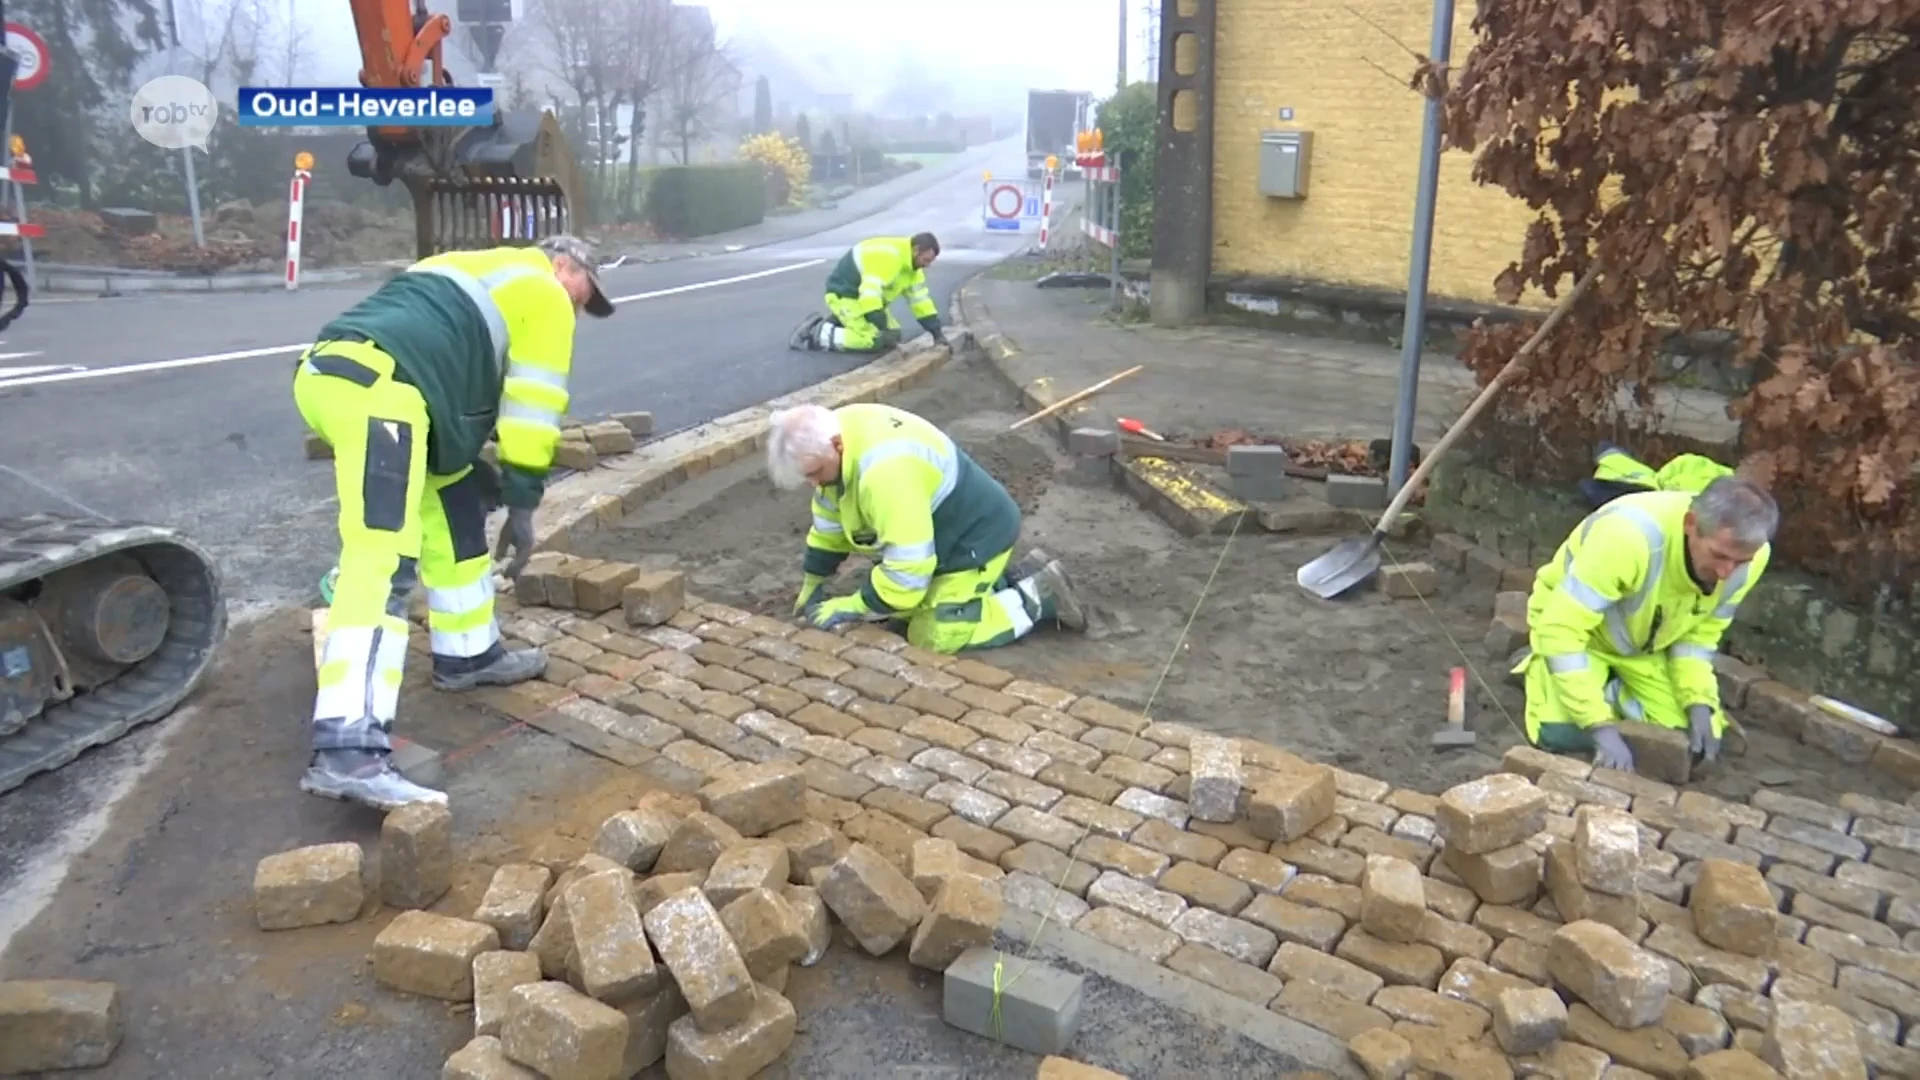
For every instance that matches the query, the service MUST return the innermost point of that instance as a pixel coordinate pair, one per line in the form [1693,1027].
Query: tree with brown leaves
[1747,168]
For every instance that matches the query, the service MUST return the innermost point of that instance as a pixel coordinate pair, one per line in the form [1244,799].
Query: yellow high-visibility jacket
[1619,589]
[877,272]
[487,339]
[909,494]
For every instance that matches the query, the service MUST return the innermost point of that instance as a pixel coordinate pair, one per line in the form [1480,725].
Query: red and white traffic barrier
[1100,233]
[1046,210]
[296,213]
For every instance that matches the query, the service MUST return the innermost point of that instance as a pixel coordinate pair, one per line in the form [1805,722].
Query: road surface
[177,409]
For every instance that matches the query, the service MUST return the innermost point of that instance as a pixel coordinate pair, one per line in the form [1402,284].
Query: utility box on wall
[1283,163]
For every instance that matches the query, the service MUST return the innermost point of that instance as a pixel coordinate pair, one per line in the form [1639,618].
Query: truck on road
[1053,118]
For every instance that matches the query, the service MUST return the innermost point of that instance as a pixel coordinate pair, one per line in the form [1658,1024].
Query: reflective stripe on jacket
[877,272]
[909,495]
[487,339]
[1619,587]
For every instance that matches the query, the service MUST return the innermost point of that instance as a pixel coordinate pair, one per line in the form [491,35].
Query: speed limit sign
[30,54]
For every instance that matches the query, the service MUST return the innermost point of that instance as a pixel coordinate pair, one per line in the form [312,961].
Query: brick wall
[1354,228]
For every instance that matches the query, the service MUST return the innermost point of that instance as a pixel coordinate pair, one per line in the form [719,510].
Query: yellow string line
[1146,713]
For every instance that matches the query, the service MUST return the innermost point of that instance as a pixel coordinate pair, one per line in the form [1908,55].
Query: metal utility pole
[1413,331]
[1121,82]
[186,152]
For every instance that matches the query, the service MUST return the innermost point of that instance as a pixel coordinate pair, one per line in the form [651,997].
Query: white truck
[1053,118]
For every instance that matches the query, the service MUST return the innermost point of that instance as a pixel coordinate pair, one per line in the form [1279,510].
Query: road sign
[490,78]
[30,52]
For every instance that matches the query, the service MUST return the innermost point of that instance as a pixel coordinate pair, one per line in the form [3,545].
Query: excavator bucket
[514,182]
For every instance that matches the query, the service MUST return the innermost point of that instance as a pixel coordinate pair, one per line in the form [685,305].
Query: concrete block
[1288,805]
[1490,813]
[1606,850]
[1659,753]
[514,902]
[1357,492]
[705,963]
[1625,984]
[872,898]
[696,843]
[648,1020]
[1255,460]
[610,960]
[564,1034]
[1381,1054]
[1038,1006]
[639,424]
[575,454]
[1575,901]
[553,941]
[1507,875]
[416,855]
[634,838]
[767,931]
[484,1059]
[57,1024]
[495,974]
[736,1052]
[814,921]
[431,955]
[1093,442]
[308,886]
[757,799]
[653,597]
[1219,778]
[598,591]
[1733,909]
[1259,487]
[745,867]
[1393,899]
[1059,1068]
[963,915]
[610,437]
[648,893]
[1504,634]
[1809,1041]
[1528,1021]
[1407,581]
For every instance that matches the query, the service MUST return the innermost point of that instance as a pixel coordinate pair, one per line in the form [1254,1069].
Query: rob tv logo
[174,112]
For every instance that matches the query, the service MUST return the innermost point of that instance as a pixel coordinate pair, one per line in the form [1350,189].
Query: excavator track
[148,591]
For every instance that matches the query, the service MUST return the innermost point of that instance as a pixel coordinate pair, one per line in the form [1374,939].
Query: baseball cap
[582,253]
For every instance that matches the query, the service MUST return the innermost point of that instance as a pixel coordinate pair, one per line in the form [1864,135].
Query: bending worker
[406,386]
[862,289]
[1624,621]
[889,484]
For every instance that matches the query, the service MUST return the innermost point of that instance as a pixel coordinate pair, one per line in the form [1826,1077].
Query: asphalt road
[177,410]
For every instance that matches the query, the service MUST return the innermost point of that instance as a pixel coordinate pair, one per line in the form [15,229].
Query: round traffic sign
[30,54]
[993,201]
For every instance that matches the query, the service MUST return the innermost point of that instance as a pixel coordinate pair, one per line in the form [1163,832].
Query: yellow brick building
[1323,60]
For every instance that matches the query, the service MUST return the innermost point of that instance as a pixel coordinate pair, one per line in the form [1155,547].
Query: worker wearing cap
[861,290]
[406,386]
[1625,619]
[941,530]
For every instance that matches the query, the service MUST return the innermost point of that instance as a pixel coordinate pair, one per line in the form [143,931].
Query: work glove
[1610,749]
[516,537]
[931,324]
[1700,730]
[838,612]
[878,318]
[809,592]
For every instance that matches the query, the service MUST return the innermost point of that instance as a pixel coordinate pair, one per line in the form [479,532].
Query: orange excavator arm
[398,44]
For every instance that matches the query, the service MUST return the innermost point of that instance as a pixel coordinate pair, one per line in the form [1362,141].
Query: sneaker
[506,669]
[378,785]
[1056,592]
[802,338]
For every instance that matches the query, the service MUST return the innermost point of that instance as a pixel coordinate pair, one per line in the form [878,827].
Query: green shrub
[1130,122]
[700,200]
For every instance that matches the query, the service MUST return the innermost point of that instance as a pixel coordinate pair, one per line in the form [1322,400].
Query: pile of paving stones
[1726,935]
[581,446]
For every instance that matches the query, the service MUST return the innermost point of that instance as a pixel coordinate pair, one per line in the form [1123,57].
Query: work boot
[365,777]
[1027,565]
[495,667]
[1057,600]
[805,337]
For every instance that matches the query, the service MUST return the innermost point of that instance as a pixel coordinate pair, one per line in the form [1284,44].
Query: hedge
[700,200]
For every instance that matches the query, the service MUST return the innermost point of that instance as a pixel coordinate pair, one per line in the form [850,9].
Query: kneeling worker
[861,289]
[890,484]
[406,386]
[1625,620]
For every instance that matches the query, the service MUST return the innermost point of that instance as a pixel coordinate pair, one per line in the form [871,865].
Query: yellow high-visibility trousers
[398,525]
[1638,688]
[858,334]
[973,609]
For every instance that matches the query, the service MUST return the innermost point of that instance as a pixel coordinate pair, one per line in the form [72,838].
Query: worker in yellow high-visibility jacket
[891,485]
[861,290]
[1625,619]
[406,386]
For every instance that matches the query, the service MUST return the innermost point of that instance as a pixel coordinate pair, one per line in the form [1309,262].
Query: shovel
[1354,561]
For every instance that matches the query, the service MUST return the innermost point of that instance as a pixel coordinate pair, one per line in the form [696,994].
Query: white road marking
[17,355]
[7,383]
[7,373]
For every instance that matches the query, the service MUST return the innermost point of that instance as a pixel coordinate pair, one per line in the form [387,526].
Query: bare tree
[649,45]
[703,79]
[578,44]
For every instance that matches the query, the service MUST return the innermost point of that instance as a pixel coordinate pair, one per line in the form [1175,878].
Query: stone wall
[1794,623]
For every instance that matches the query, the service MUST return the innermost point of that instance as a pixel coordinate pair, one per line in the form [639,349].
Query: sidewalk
[1203,379]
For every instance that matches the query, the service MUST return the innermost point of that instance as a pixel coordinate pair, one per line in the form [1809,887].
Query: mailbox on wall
[1283,163]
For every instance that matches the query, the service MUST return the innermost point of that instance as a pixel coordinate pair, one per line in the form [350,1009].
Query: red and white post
[1046,207]
[296,213]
